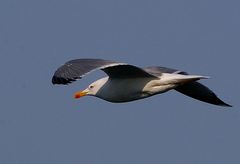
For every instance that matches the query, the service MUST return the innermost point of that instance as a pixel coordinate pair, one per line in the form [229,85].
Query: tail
[180,79]
[200,92]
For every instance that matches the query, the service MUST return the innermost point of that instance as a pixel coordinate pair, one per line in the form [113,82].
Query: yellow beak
[80,94]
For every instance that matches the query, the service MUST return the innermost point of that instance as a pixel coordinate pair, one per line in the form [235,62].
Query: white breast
[123,90]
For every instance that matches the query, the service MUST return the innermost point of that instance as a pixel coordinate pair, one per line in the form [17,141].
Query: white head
[92,89]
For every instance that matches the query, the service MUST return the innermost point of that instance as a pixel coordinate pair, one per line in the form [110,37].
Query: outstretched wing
[157,70]
[195,90]
[200,92]
[76,69]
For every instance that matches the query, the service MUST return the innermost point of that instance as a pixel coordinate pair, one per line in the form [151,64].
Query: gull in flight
[127,82]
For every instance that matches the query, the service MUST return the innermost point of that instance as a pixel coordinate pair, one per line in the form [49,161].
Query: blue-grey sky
[41,123]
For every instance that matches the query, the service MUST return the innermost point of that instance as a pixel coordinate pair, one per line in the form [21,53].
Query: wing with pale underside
[76,69]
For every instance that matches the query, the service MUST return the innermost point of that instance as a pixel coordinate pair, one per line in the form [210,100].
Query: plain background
[41,123]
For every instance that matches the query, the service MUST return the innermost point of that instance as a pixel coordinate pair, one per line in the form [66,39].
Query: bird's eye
[91,86]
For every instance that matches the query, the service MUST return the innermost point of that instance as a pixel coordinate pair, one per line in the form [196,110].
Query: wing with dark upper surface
[200,92]
[76,69]
[195,90]
[157,70]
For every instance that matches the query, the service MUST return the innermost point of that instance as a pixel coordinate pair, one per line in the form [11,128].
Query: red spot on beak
[80,94]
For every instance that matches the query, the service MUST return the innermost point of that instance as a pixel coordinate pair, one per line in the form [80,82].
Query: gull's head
[92,89]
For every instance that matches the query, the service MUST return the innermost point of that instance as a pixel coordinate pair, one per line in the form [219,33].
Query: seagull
[127,82]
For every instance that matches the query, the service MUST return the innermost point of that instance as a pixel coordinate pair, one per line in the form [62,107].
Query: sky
[42,123]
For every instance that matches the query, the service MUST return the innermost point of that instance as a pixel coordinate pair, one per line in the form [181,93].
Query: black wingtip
[217,101]
[54,81]
[63,81]
[224,105]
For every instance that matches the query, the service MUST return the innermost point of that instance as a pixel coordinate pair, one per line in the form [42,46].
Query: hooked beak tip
[76,96]
[79,94]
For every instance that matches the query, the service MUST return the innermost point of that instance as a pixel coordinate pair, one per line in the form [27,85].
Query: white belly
[123,90]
